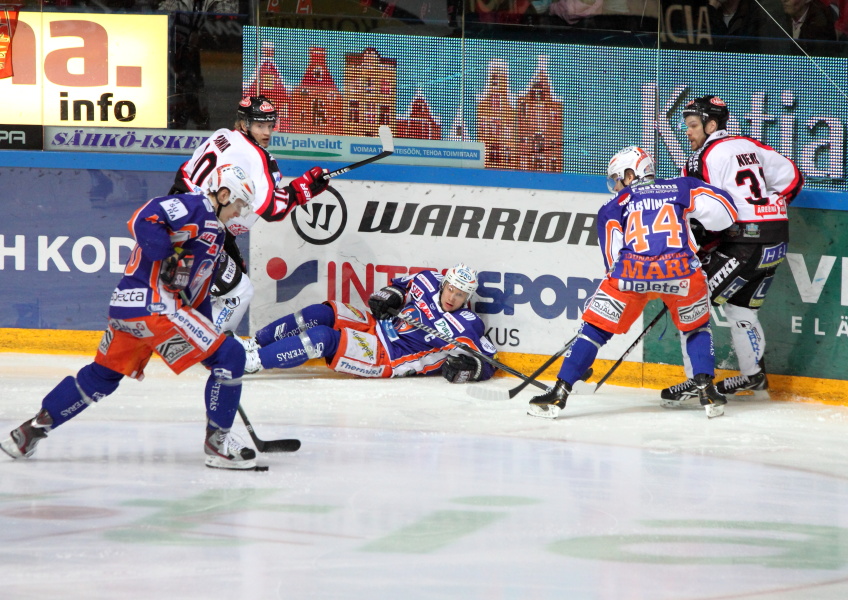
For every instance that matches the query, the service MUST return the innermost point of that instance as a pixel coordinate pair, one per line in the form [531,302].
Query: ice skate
[549,404]
[251,350]
[225,451]
[674,396]
[22,441]
[712,401]
[756,385]
[252,363]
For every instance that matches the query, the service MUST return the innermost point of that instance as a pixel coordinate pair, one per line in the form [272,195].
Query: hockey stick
[469,349]
[517,389]
[290,445]
[626,352]
[388,149]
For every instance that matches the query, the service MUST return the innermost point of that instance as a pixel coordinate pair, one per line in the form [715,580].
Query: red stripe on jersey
[269,180]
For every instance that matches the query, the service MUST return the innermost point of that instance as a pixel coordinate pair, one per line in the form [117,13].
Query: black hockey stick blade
[284,445]
[517,389]
[587,389]
[484,393]
[388,149]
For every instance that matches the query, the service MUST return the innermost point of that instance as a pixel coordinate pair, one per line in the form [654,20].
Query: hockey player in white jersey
[245,145]
[379,344]
[741,261]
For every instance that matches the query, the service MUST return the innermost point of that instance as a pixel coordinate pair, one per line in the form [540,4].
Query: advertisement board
[104,70]
[536,253]
[559,108]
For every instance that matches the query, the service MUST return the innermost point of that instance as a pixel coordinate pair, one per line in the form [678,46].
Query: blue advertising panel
[64,241]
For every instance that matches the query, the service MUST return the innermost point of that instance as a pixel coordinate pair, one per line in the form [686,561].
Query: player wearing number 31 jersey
[648,253]
[741,261]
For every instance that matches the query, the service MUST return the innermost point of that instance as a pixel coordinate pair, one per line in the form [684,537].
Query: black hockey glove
[176,270]
[386,303]
[462,368]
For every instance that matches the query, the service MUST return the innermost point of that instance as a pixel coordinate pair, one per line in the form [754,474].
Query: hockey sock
[699,348]
[687,362]
[222,400]
[317,342]
[75,394]
[582,352]
[296,323]
[746,333]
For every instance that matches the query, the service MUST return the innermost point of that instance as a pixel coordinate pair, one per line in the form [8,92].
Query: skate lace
[682,387]
[230,443]
[736,381]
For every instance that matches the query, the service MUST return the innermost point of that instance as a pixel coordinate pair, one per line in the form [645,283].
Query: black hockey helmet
[706,108]
[256,109]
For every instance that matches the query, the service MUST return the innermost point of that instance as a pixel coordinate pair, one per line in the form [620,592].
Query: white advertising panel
[536,252]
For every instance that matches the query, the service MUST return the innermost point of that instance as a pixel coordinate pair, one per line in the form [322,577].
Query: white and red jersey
[227,146]
[761,180]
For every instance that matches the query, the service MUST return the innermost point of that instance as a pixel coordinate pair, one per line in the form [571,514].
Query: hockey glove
[386,303]
[176,271]
[308,185]
[462,368]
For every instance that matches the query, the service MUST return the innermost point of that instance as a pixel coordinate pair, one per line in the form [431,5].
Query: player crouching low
[378,344]
[162,305]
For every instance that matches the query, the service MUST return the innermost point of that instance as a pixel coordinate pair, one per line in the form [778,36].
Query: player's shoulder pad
[466,315]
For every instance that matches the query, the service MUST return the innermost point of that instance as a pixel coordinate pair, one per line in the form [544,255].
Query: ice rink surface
[413,489]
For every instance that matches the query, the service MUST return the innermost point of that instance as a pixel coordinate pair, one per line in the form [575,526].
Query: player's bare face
[231,209]
[695,132]
[452,298]
[261,132]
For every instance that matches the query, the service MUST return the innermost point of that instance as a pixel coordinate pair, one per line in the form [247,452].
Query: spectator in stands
[809,20]
[737,24]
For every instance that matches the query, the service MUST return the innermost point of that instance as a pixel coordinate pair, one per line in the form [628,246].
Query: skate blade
[714,410]
[216,462]
[551,411]
[9,447]
[681,403]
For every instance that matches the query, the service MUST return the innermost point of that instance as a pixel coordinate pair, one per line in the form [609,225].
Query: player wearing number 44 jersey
[741,261]
[649,253]
[379,344]
[245,145]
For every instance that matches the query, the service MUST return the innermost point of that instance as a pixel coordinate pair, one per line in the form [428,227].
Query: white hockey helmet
[633,158]
[237,181]
[462,277]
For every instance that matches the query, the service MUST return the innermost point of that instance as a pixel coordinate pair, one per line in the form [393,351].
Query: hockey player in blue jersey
[378,344]
[162,305]
[649,252]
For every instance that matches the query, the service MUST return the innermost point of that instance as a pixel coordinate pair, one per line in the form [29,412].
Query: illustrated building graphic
[370,92]
[316,104]
[521,131]
[496,119]
[539,125]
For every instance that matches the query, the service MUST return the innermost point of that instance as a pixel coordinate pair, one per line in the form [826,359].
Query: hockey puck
[259,468]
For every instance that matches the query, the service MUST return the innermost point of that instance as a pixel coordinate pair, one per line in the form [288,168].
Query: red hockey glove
[309,185]
[176,271]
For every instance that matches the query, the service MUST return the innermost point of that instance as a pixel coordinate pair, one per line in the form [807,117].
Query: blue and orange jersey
[644,230]
[413,351]
[183,220]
